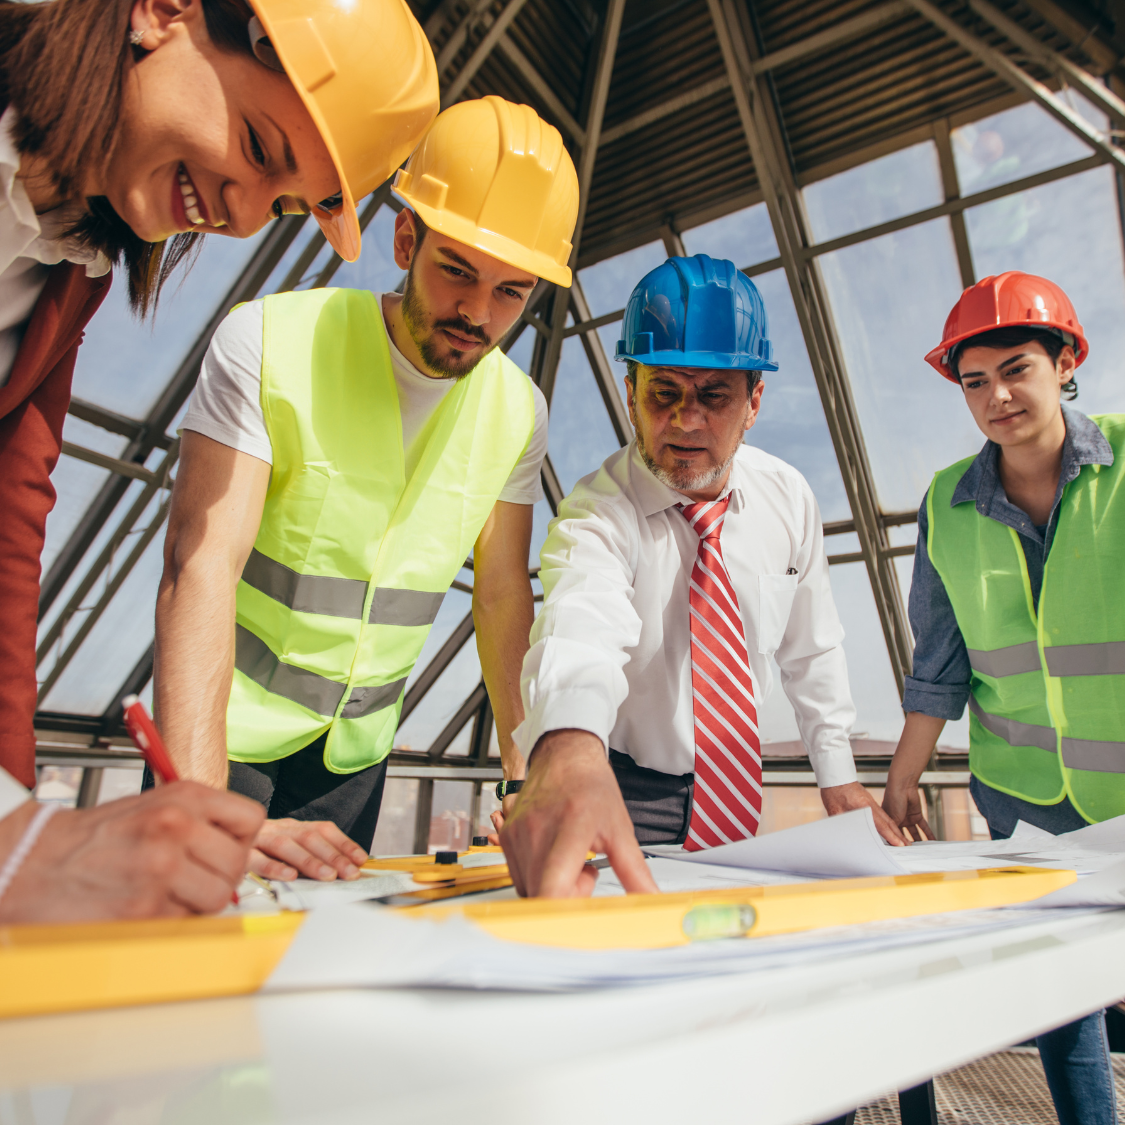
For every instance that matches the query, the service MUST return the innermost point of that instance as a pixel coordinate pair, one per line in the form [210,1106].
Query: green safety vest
[352,559]
[1047,703]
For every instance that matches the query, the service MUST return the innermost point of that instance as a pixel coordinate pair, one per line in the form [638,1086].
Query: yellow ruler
[62,968]
[658,921]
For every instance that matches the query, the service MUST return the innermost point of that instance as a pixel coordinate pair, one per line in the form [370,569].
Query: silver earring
[136,38]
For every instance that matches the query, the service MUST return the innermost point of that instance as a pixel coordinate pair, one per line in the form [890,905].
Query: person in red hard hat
[1017,607]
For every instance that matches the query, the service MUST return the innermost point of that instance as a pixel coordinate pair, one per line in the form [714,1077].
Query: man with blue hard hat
[671,576]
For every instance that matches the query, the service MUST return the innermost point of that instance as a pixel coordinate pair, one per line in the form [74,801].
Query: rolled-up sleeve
[814,670]
[939,683]
[573,674]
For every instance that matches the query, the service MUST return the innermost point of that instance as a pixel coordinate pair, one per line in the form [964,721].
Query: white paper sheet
[1107,836]
[841,846]
[360,945]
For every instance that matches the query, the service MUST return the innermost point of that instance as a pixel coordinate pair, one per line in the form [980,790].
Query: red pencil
[142,730]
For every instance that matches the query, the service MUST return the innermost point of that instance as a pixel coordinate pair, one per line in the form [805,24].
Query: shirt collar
[655,496]
[40,235]
[1085,444]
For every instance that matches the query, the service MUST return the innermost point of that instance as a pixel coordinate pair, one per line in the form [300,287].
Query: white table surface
[779,1048]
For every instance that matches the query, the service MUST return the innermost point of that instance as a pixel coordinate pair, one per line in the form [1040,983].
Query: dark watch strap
[506,788]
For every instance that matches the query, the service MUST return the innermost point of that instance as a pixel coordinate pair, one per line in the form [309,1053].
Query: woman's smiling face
[210,141]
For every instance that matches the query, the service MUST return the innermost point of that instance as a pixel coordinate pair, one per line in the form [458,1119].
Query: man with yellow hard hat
[343,453]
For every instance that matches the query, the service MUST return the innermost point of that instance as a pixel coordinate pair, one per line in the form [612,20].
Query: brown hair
[51,49]
[1011,337]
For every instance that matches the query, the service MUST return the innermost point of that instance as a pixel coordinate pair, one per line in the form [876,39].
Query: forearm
[194,664]
[915,745]
[502,628]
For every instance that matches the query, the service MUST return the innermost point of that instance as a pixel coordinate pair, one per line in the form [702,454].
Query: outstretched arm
[216,509]
[502,614]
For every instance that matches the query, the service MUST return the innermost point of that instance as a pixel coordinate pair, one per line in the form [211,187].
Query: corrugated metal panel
[844,100]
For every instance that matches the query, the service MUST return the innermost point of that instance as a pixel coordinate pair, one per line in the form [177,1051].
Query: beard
[684,477]
[423,331]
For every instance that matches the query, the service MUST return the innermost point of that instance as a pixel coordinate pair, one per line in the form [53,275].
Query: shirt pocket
[775,594]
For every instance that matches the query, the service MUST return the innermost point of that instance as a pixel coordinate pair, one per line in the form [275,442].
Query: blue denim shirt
[939,685]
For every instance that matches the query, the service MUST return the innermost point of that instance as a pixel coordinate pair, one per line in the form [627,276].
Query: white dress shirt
[12,794]
[29,244]
[611,650]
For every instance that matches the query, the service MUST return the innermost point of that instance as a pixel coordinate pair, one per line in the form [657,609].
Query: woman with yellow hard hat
[128,128]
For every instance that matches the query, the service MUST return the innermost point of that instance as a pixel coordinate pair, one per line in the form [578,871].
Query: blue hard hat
[697,312]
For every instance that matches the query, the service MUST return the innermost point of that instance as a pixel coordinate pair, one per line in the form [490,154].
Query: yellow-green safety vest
[1047,703]
[352,559]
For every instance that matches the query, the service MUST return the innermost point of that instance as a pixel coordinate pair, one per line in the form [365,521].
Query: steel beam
[1059,65]
[105,557]
[99,607]
[550,355]
[951,188]
[552,489]
[442,660]
[160,417]
[853,28]
[601,366]
[539,84]
[822,41]
[453,728]
[459,36]
[1001,65]
[423,811]
[953,206]
[113,422]
[761,128]
[480,54]
[128,469]
[134,684]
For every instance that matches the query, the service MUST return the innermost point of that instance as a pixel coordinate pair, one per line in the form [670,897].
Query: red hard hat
[1008,300]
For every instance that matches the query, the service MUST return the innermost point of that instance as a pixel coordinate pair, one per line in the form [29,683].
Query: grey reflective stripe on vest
[403,607]
[1086,754]
[364,700]
[1105,659]
[1010,661]
[1014,733]
[338,597]
[306,593]
[256,660]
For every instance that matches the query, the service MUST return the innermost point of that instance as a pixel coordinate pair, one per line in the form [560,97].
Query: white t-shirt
[227,405]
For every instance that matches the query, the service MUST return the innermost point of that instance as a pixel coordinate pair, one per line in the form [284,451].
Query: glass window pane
[1019,142]
[791,421]
[115,643]
[453,686]
[375,269]
[884,189]
[581,436]
[608,284]
[1069,231]
[124,364]
[744,237]
[890,298]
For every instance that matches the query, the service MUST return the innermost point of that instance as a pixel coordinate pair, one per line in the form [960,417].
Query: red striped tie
[728,754]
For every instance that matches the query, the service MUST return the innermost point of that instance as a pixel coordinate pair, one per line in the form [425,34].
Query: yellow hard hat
[367,76]
[494,175]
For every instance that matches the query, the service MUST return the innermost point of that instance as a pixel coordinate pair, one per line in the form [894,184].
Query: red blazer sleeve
[33,406]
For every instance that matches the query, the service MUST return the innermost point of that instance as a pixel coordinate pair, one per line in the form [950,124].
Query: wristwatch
[507,788]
